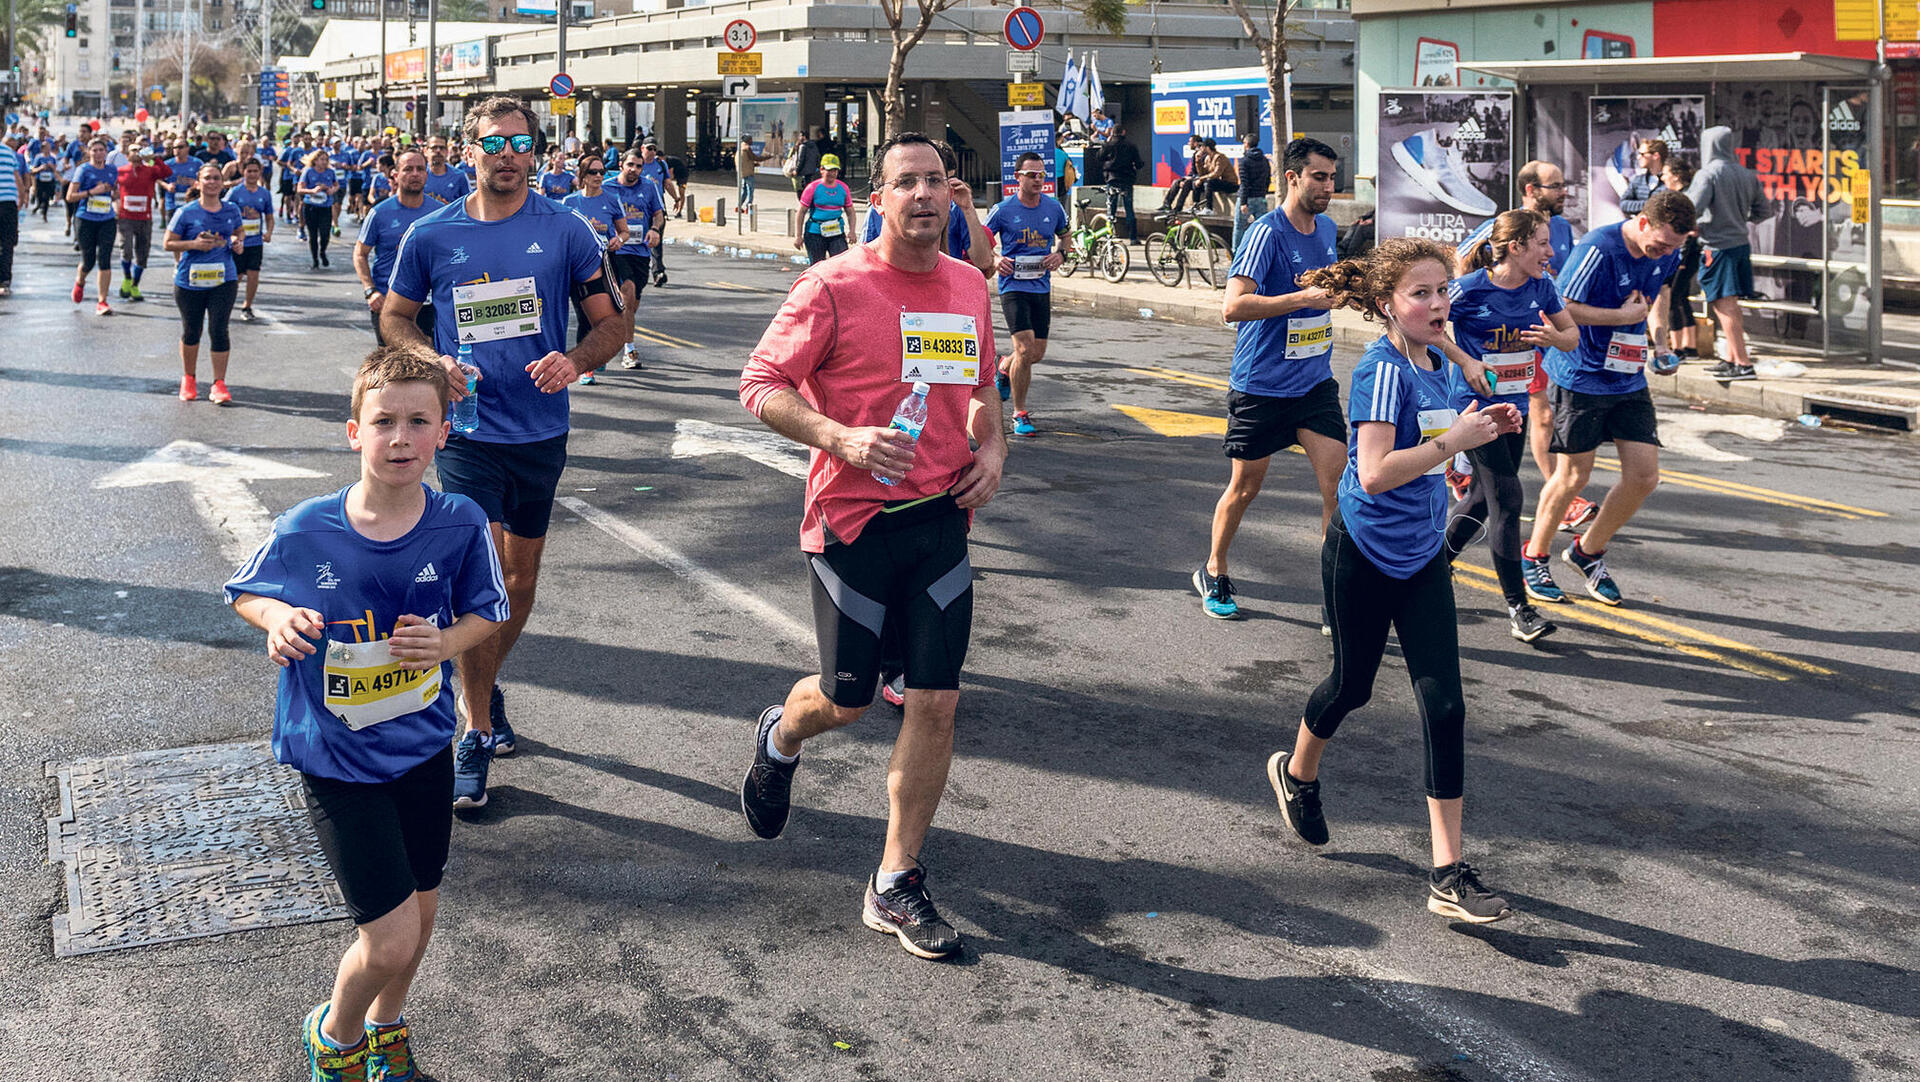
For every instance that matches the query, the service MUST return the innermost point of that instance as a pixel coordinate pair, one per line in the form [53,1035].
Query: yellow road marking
[1707,485]
[1170,423]
[1765,495]
[1737,654]
[738,288]
[1211,382]
[665,339]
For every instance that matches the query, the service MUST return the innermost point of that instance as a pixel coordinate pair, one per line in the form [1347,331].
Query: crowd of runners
[883,361]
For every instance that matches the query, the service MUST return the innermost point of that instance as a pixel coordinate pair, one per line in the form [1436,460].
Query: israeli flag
[1096,98]
[1069,88]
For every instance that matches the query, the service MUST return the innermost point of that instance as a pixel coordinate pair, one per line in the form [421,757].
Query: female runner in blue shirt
[1383,563]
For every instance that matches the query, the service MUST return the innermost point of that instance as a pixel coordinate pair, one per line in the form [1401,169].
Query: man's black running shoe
[503,741]
[1299,800]
[766,793]
[1455,891]
[907,912]
[1526,623]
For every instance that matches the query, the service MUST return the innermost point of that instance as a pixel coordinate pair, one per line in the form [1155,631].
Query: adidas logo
[427,574]
[1470,130]
[1533,304]
[1670,137]
[534,248]
[1842,118]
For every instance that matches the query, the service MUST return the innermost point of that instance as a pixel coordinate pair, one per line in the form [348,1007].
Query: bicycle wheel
[1203,256]
[1114,260]
[1163,261]
[1070,262]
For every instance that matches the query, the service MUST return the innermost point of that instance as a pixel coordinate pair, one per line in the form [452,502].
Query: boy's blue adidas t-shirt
[1487,322]
[1602,273]
[1399,529]
[1285,356]
[522,270]
[443,569]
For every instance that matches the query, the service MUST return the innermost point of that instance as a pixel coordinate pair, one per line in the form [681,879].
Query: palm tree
[35,21]
[463,11]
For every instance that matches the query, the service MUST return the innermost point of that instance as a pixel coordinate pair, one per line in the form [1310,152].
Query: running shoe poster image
[1615,127]
[1446,162]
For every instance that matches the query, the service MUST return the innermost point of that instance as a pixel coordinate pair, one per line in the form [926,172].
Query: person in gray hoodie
[1727,195]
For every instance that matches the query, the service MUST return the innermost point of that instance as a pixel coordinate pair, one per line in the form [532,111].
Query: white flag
[1096,98]
[1080,108]
[1069,87]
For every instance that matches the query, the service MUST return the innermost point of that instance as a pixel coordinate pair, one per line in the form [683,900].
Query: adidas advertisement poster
[1559,135]
[1446,162]
[1807,143]
[1615,127]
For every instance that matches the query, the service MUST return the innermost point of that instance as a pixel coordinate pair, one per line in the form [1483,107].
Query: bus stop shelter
[1813,128]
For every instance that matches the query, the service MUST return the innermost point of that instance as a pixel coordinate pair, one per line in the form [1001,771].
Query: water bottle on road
[466,412]
[910,416]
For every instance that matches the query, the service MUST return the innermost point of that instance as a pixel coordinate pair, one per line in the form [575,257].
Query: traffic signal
[73,23]
[116,63]
[319,5]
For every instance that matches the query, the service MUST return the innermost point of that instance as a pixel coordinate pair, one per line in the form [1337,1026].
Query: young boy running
[393,579]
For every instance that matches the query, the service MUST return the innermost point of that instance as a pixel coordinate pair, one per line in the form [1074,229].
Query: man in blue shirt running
[379,241]
[1026,225]
[501,269]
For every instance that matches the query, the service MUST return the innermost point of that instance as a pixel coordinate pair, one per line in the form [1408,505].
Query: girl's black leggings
[1362,603]
[205,306]
[319,223]
[1494,500]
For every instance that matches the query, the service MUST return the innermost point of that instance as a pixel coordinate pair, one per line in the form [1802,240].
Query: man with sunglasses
[1025,225]
[646,212]
[885,525]
[502,270]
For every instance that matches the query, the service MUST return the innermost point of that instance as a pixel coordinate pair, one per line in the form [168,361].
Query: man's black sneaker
[1727,371]
[1455,891]
[1299,800]
[766,793]
[503,742]
[906,911]
[1527,624]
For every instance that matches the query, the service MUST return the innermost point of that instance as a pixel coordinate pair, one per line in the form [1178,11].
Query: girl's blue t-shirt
[1399,529]
[1487,322]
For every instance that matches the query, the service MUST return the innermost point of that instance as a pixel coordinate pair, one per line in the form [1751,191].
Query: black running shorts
[905,581]
[631,268]
[1027,312]
[248,259]
[513,483]
[387,840]
[1259,426]
[1582,422]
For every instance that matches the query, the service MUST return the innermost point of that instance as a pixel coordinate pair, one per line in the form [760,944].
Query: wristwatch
[370,292]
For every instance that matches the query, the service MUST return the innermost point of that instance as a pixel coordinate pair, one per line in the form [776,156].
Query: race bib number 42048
[939,347]
[493,311]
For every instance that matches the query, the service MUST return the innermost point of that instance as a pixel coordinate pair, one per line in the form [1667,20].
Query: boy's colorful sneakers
[133,292]
[1216,594]
[472,757]
[1004,385]
[389,1055]
[325,1063]
[1579,513]
[125,284]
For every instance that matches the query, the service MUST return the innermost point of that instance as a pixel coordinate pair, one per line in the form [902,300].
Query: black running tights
[1494,500]
[213,307]
[319,226]
[1362,602]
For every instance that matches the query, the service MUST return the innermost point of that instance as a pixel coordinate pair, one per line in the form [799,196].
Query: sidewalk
[1879,397]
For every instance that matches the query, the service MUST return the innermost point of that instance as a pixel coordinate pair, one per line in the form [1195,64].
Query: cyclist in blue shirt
[1026,225]
[94,190]
[1384,564]
[205,234]
[500,268]
[1598,389]
[1505,309]
[605,212]
[255,202]
[380,234]
[364,595]
[644,207]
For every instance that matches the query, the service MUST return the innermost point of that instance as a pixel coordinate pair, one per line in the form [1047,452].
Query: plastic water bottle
[909,417]
[466,412]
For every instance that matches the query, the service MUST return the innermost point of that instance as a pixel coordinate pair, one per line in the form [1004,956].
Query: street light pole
[433,67]
[269,108]
[560,57]
[190,23]
[380,107]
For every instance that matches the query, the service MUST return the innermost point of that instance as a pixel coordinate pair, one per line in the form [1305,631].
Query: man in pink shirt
[887,559]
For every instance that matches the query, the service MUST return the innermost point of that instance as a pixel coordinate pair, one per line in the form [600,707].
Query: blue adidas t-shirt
[97,208]
[255,206]
[1559,231]
[532,260]
[1286,356]
[600,211]
[1487,322]
[1026,235]
[443,569]
[556,185]
[1601,273]
[959,234]
[205,270]
[448,186]
[380,187]
[382,229]
[638,205]
[184,175]
[314,178]
[1399,529]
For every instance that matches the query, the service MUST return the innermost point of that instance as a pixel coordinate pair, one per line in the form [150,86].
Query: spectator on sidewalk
[816,147]
[745,161]
[1120,165]
[1728,197]
[1199,165]
[1256,178]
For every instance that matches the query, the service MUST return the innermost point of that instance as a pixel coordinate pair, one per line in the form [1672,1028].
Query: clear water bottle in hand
[909,417]
[465,414]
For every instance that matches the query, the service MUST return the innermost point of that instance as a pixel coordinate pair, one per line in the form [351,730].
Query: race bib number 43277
[939,347]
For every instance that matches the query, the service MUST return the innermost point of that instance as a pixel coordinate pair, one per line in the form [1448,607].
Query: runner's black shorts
[513,483]
[1027,312]
[355,185]
[1582,422]
[286,182]
[386,840]
[1260,426]
[248,259]
[906,582]
[631,268]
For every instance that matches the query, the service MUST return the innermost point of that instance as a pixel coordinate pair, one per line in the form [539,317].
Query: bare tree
[1108,16]
[1268,31]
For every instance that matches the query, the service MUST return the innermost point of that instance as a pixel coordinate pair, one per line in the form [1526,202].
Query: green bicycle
[1095,245]
[1187,247]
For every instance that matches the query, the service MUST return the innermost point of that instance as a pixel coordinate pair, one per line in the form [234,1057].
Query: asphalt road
[1703,805]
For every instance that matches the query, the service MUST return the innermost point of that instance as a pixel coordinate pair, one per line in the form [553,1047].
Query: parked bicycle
[1186,247]
[1095,245]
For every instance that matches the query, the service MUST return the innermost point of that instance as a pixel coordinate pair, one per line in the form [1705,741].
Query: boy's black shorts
[388,840]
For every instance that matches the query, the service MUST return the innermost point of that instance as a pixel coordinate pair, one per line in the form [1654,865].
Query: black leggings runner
[1494,500]
[213,306]
[319,225]
[1362,601]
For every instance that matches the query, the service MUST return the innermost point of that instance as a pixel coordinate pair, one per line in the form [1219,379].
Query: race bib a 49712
[1433,425]
[1309,336]
[495,311]
[939,347]
[366,685]
[1626,353]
